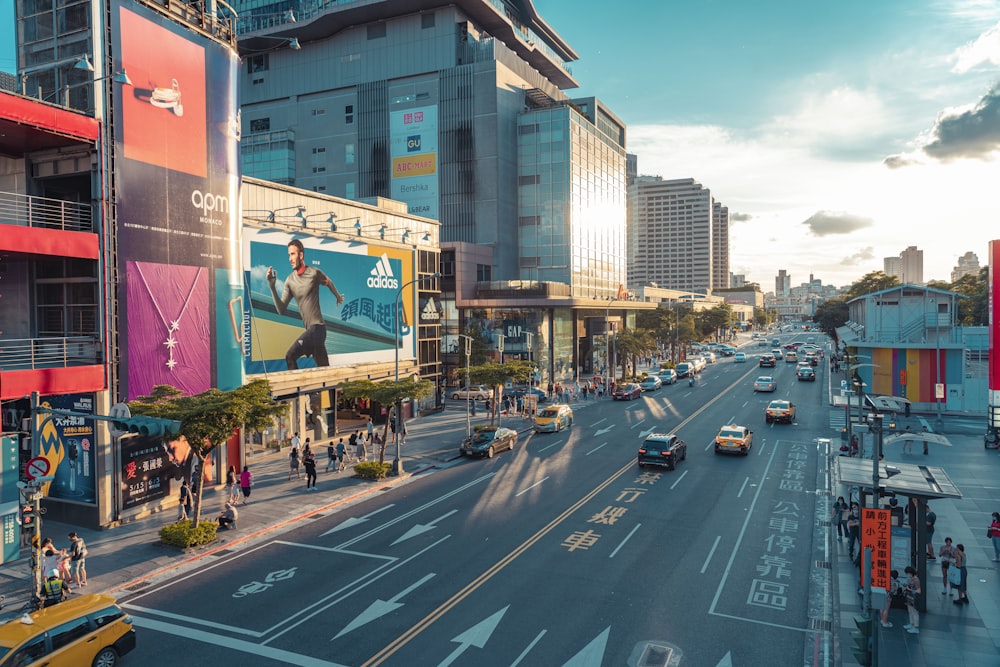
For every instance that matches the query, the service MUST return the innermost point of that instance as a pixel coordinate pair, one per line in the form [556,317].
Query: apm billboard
[315,302]
[176,203]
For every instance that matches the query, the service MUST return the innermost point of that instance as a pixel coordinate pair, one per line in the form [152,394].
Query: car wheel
[108,657]
[489,452]
[512,443]
[670,467]
[454,397]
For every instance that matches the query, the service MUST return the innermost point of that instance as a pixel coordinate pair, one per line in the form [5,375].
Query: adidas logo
[381,276]
[430,312]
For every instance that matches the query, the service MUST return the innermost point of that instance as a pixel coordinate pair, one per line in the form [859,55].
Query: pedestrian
[853,529]
[906,409]
[331,455]
[907,443]
[947,556]
[227,520]
[961,561]
[359,449]
[78,559]
[371,429]
[911,590]
[341,450]
[54,590]
[402,433]
[246,480]
[293,463]
[309,461]
[930,518]
[308,443]
[841,510]
[296,442]
[925,440]
[994,533]
[894,590]
[230,483]
[184,502]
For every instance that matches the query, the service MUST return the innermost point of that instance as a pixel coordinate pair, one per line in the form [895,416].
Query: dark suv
[662,449]
[767,361]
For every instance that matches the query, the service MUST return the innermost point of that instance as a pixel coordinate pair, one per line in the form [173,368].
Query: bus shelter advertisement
[67,441]
[315,302]
[177,187]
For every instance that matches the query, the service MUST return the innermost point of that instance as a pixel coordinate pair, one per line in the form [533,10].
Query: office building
[968,265]
[720,246]
[892,266]
[911,266]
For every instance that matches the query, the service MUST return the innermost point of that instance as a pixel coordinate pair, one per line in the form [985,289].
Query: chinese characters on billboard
[68,443]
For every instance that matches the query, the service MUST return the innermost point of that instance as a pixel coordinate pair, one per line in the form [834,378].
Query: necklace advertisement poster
[298,322]
[177,198]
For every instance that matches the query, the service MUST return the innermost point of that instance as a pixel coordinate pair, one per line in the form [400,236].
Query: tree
[876,281]
[831,314]
[210,418]
[632,344]
[497,376]
[975,310]
[388,392]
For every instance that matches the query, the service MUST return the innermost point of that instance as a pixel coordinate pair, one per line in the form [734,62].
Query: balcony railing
[29,211]
[35,353]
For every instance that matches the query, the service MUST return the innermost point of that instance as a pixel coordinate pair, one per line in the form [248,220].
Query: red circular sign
[37,467]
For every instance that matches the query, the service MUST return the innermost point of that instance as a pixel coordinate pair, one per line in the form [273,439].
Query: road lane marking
[627,537]
[477,636]
[595,449]
[549,447]
[353,521]
[637,423]
[527,649]
[421,528]
[711,552]
[380,608]
[532,486]
[678,480]
[598,423]
[743,487]
[187,618]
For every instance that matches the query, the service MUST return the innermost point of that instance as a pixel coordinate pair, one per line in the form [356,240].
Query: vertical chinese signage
[9,499]
[413,150]
[176,133]
[993,287]
[876,535]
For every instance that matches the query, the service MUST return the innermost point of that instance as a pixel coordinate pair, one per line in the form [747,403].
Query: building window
[317,170]
[427,20]
[258,63]
[257,82]
[349,190]
[376,30]
[484,272]
[319,112]
[260,125]
[349,114]
[527,129]
[319,188]
[349,154]
[528,220]
[530,179]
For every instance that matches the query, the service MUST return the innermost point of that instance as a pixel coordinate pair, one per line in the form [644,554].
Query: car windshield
[764,380]
[483,436]
[778,405]
[549,412]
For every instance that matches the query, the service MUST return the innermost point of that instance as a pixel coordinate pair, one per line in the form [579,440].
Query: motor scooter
[690,380]
[991,439]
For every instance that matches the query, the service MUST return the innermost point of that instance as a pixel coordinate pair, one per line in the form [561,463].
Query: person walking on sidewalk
[331,455]
[930,518]
[911,590]
[296,442]
[293,463]
[184,502]
[359,448]
[371,429]
[341,451]
[309,461]
[960,563]
[853,529]
[995,535]
[78,559]
[246,479]
[947,556]
[839,517]
[232,485]
[894,590]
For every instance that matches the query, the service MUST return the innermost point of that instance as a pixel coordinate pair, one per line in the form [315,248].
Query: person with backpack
[78,559]
[184,502]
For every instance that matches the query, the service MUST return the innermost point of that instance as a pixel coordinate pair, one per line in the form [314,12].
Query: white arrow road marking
[422,528]
[354,521]
[477,636]
[727,660]
[603,430]
[380,608]
[591,655]
[637,423]
[645,433]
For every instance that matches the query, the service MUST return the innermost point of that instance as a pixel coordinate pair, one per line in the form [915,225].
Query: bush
[183,534]
[372,470]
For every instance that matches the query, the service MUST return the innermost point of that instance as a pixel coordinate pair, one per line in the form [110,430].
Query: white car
[739,358]
[476,392]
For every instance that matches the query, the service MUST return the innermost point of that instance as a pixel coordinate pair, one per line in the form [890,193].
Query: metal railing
[34,353]
[30,211]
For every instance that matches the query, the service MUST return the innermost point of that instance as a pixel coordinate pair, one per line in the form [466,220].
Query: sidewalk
[130,556]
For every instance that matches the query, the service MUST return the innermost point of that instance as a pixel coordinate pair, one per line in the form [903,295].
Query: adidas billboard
[381,276]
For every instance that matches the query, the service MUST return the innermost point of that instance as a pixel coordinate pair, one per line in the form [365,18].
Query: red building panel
[51,242]
[47,381]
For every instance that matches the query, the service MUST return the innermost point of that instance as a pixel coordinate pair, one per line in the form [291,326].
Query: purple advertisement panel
[177,199]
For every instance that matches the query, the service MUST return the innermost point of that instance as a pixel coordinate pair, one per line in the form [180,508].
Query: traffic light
[148,426]
[28,518]
[862,648]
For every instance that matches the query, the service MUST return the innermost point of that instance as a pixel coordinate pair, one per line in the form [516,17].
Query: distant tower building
[671,234]
[720,246]
[911,266]
[631,168]
[782,283]
[737,280]
[891,267]
[968,265]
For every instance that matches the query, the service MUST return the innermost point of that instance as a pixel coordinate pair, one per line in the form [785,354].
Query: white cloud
[983,50]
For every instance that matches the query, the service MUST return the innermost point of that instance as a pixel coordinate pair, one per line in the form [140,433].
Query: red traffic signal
[28,518]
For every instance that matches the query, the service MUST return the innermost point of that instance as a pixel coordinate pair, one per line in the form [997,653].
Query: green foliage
[372,470]
[497,375]
[876,281]
[387,392]
[185,534]
[831,314]
[631,344]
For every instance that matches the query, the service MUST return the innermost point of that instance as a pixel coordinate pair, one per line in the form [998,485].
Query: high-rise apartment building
[782,283]
[720,246]
[457,110]
[911,266]
[968,265]
[672,235]
[892,266]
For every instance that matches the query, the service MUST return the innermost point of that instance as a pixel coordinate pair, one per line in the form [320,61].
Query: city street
[560,552]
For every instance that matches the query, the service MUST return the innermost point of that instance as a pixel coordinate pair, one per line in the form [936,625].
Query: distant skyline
[836,133]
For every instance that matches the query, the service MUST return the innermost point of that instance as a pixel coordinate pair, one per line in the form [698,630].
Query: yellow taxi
[734,439]
[791,357]
[553,418]
[780,411]
[83,630]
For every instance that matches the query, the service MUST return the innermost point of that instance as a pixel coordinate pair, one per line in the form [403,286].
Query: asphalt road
[562,552]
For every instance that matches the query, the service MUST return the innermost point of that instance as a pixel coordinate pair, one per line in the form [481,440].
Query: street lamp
[397,464]
[468,394]
[607,329]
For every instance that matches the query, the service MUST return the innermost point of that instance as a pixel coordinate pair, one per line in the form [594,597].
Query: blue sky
[836,133]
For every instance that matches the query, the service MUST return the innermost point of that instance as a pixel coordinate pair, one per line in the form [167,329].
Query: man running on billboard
[303,285]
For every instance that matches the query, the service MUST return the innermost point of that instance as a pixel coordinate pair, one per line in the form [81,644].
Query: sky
[837,133]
